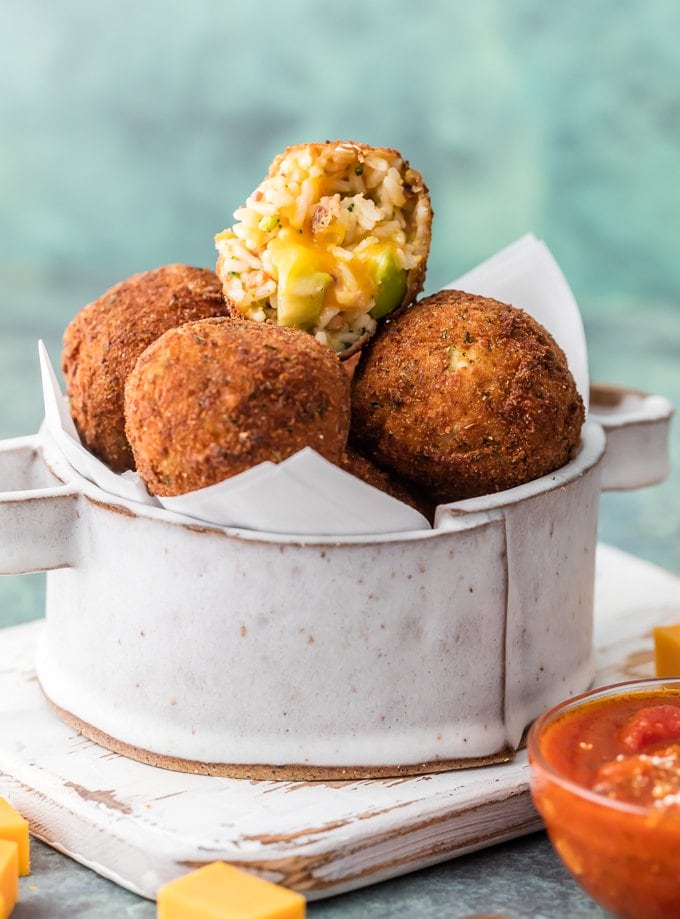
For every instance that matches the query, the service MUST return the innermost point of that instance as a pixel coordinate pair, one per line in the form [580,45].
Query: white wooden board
[142,826]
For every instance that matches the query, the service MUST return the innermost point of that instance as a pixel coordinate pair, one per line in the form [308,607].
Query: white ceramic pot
[243,653]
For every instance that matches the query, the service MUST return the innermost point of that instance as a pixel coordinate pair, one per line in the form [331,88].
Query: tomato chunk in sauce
[653,725]
[643,778]
[648,772]
[626,747]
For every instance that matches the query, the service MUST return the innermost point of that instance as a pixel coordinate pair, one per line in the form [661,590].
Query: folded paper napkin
[305,495]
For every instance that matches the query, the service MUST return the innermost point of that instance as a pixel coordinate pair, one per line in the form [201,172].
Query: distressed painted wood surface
[142,826]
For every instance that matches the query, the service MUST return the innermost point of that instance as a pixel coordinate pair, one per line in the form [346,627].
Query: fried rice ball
[212,398]
[335,238]
[104,340]
[464,396]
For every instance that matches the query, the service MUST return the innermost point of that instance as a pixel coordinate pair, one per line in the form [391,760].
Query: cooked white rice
[339,201]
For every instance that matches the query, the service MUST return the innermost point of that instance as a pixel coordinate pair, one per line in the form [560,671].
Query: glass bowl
[621,842]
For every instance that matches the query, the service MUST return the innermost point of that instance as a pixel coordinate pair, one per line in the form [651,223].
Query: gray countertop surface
[522,878]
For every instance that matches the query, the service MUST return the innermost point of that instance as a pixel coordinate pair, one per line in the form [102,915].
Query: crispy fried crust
[104,340]
[464,396]
[213,398]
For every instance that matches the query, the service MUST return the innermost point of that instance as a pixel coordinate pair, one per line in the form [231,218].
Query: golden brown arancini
[214,397]
[464,395]
[104,340]
[335,238]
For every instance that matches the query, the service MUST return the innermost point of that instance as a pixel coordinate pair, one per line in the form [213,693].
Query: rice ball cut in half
[463,396]
[212,398]
[335,238]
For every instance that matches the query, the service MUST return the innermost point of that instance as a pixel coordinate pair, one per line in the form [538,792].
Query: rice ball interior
[335,238]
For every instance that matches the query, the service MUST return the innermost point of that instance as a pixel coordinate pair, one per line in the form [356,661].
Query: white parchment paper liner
[61,428]
[305,494]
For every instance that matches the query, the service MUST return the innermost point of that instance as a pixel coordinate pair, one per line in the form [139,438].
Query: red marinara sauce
[606,779]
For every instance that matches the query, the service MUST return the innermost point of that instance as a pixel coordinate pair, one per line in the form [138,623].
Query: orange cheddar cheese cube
[9,877]
[220,891]
[13,828]
[667,650]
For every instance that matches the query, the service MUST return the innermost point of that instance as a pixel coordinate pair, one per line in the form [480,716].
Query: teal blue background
[130,131]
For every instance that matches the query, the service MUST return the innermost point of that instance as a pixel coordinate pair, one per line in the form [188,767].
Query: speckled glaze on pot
[243,653]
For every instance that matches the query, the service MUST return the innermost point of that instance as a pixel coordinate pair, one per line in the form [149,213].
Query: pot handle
[38,514]
[636,425]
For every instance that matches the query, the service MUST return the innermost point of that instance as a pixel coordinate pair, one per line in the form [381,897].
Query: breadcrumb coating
[104,340]
[464,395]
[215,397]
